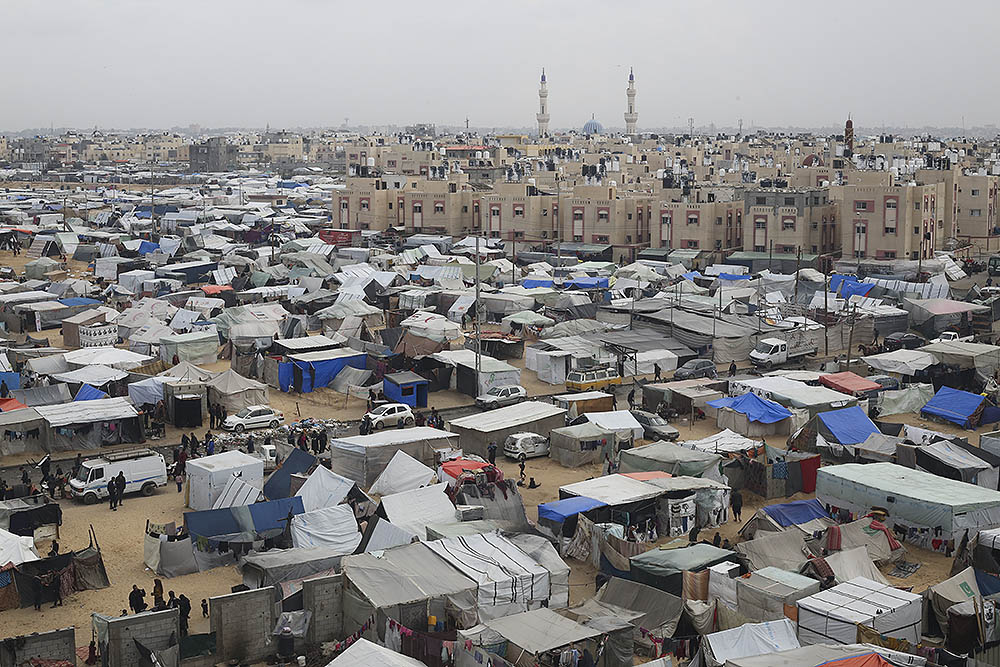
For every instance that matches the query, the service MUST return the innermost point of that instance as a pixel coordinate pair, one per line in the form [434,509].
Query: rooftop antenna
[690,126]
[466,123]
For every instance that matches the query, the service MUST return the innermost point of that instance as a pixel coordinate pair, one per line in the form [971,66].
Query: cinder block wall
[52,645]
[324,598]
[156,630]
[243,623]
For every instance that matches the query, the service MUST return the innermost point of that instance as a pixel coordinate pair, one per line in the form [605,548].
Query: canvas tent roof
[796,512]
[185,370]
[103,409]
[16,549]
[331,527]
[724,442]
[107,356]
[668,457]
[508,417]
[612,489]
[403,473]
[413,510]
[560,510]
[231,382]
[832,615]
[848,382]
[364,653]
[645,606]
[904,362]
[323,488]
[749,639]
[663,567]
[785,550]
[540,630]
[96,375]
[848,426]
[756,409]
[957,406]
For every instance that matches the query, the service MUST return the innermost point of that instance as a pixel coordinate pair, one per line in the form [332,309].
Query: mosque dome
[592,126]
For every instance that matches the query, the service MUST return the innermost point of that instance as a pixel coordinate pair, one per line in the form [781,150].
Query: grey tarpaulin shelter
[90,424]
[541,550]
[408,584]
[236,392]
[166,553]
[22,431]
[574,446]
[644,606]
[277,565]
[670,458]
[763,594]
[533,633]
[478,430]
[414,510]
[363,457]
[334,528]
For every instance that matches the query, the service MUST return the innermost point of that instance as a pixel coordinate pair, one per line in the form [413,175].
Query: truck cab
[144,470]
[993,268]
[769,352]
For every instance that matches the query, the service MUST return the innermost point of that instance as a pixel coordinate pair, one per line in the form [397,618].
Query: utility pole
[479,342]
[770,256]
[826,315]
[798,259]
[850,337]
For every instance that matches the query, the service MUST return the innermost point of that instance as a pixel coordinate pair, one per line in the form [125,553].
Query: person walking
[211,415]
[491,452]
[732,369]
[656,372]
[185,608]
[614,400]
[137,600]
[172,601]
[113,494]
[693,535]
[4,389]
[158,602]
[736,502]
[717,540]
[521,461]
[631,399]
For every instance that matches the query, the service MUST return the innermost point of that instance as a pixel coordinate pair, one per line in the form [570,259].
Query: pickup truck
[771,352]
[952,337]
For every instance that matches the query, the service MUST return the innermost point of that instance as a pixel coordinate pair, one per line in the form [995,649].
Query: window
[975,192]
[629,216]
[760,224]
[761,201]
[418,207]
[814,225]
[518,211]
[789,201]
[815,201]
[916,229]
[602,216]
[438,207]
[518,235]
[600,238]
[664,219]
[759,248]
[889,254]
[691,244]
[890,204]
[788,225]
[390,206]
[494,234]
[364,204]
[692,219]
[343,206]
[576,238]
[889,230]
[860,206]
[577,216]
[718,220]
[465,209]
[976,212]
[813,251]
[916,206]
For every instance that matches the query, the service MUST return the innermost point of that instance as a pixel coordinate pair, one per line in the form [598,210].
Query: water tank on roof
[371,162]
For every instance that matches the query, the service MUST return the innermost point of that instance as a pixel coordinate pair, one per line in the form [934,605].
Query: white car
[527,443]
[390,414]
[253,416]
[498,397]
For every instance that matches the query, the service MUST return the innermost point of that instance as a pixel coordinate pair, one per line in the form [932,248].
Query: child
[204,608]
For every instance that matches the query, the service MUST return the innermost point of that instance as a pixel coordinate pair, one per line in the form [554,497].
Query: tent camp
[834,434]
[363,458]
[325,488]
[832,616]
[574,446]
[808,516]
[747,640]
[197,347]
[166,552]
[364,653]
[535,633]
[751,415]
[785,550]
[542,552]
[235,392]
[403,473]
[478,430]
[670,458]
[272,567]
[959,407]
[557,518]
[936,510]
[332,527]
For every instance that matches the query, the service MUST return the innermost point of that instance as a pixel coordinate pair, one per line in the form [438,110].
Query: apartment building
[707,219]
[415,205]
[891,222]
[789,221]
[599,214]
[970,205]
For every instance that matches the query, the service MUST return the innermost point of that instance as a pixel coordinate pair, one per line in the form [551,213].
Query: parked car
[390,414]
[887,381]
[144,470]
[899,340]
[589,379]
[527,443]
[696,368]
[655,427]
[503,395]
[253,416]
[952,337]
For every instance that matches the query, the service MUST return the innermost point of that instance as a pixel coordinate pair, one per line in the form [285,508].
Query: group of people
[193,443]
[314,441]
[217,414]
[433,419]
[137,603]
[116,491]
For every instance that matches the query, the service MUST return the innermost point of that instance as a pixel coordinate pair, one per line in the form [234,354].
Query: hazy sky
[287,63]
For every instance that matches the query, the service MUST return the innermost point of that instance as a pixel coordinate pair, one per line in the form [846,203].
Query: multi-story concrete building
[790,221]
[214,154]
[891,222]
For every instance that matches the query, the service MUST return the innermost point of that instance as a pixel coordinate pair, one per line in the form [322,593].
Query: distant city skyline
[310,64]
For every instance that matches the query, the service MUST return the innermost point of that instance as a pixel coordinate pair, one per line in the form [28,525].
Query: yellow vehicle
[590,379]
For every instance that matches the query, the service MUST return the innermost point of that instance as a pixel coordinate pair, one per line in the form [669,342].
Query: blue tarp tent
[279,484]
[147,247]
[558,511]
[756,409]
[586,283]
[406,387]
[957,406]
[536,282]
[88,393]
[13,380]
[317,369]
[79,301]
[691,275]
[262,517]
[733,276]
[848,426]
[796,512]
[848,286]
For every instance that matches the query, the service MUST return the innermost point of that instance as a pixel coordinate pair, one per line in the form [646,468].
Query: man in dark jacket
[120,487]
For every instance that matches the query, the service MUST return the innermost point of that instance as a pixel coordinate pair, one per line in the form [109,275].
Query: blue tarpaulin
[848,426]
[89,393]
[848,286]
[13,380]
[231,520]
[691,275]
[279,484]
[586,283]
[957,406]
[989,584]
[316,374]
[756,409]
[796,512]
[147,247]
[733,276]
[836,279]
[536,282]
[560,510]
[78,301]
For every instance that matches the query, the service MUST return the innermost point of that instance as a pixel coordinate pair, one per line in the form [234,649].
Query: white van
[144,471]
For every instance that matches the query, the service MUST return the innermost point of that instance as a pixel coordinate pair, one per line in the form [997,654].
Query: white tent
[209,475]
[148,391]
[16,549]
[96,375]
[832,616]
[364,653]
[236,392]
[509,580]
[106,356]
[413,510]
[237,493]
[748,640]
[323,488]
[621,422]
[332,527]
[403,473]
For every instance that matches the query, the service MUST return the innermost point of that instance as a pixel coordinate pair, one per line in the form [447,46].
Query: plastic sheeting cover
[332,527]
[754,407]
[849,426]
